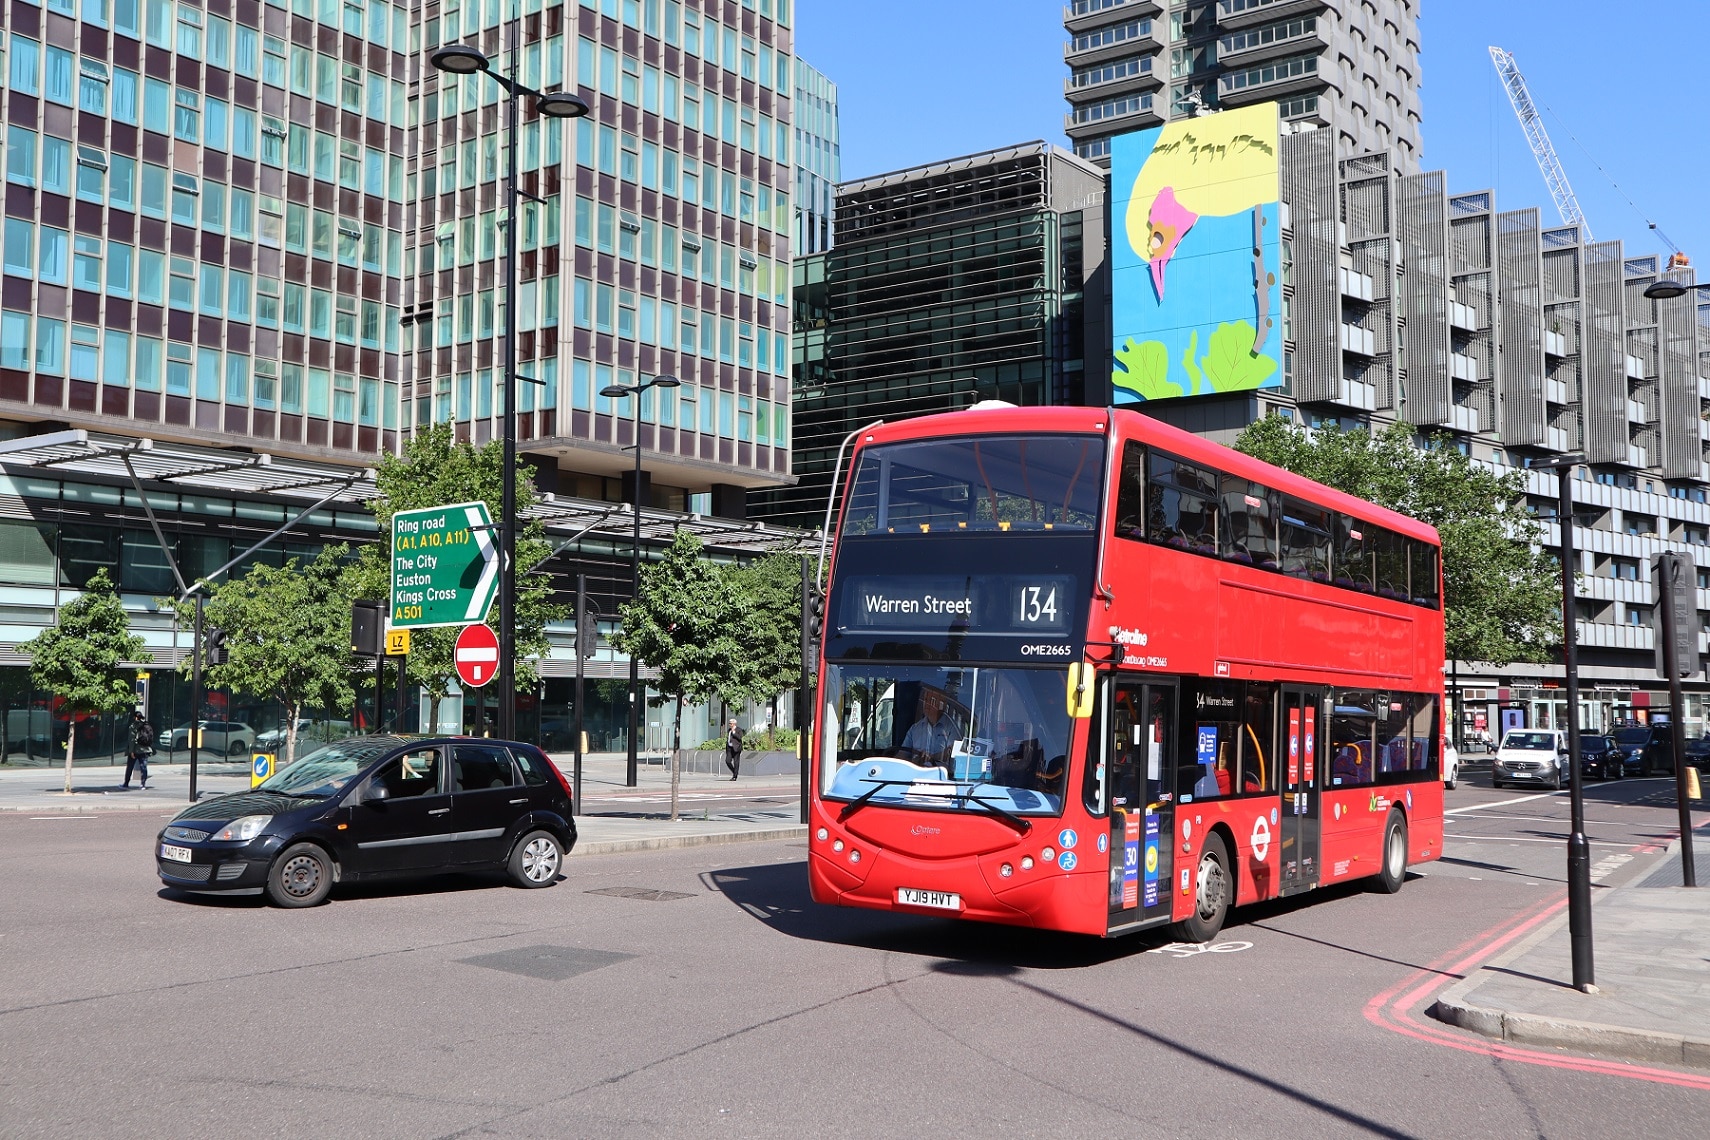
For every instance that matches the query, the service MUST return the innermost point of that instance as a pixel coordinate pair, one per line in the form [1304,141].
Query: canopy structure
[229,471]
[224,470]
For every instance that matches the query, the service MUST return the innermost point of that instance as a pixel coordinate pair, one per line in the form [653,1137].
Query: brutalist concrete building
[1351,66]
[1522,340]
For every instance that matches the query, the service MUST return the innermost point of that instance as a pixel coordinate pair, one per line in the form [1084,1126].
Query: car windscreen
[323,772]
[1632,737]
[1530,741]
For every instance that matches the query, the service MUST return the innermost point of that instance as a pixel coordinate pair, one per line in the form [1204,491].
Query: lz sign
[476,656]
[445,566]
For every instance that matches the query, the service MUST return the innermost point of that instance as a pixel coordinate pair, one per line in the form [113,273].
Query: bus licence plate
[939,900]
[176,854]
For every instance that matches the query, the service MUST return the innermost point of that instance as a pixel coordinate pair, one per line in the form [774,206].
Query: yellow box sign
[397,642]
[260,767]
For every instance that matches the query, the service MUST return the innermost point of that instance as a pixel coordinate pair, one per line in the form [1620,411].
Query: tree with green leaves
[1501,590]
[287,635]
[689,623]
[78,658]
[436,470]
[770,591]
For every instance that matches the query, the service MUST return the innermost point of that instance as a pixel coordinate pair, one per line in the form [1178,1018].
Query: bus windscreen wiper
[1022,826]
[861,801]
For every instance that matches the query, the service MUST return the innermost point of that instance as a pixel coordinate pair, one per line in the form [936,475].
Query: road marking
[1500,803]
[57,818]
[1520,839]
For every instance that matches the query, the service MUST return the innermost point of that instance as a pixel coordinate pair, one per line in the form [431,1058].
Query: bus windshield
[951,738]
[985,483]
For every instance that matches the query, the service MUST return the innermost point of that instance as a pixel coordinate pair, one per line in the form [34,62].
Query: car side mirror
[374,793]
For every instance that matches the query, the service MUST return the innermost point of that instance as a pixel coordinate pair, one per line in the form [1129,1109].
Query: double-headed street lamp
[460,59]
[618,392]
[1579,849]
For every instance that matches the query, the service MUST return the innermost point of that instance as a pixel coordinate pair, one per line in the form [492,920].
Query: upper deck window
[988,483]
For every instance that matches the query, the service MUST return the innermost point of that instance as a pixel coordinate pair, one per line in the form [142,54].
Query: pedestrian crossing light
[214,646]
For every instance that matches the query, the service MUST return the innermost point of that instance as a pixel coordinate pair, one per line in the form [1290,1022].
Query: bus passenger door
[1300,727]
[1138,740]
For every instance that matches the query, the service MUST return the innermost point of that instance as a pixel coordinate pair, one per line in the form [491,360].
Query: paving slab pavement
[1651,946]
[612,818]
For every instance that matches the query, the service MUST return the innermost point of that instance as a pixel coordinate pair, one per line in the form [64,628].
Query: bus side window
[1246,523]
[1353,750]
[1210,752]
[1305,540]
[1258,768]
[1352,560]
[1131,492]
[1391,565]
[1424,563]
[1181,505]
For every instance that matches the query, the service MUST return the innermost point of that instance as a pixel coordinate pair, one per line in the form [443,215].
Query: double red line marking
[1398,1008]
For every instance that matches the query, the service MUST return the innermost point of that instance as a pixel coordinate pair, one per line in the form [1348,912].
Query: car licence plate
[938,900]
[176,854]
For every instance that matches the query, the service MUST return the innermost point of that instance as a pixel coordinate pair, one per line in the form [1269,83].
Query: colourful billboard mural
[1196,256]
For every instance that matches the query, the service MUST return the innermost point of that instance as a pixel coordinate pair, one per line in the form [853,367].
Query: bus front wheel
[1211,894]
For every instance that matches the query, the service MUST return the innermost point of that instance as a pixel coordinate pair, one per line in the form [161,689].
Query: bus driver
[931,738]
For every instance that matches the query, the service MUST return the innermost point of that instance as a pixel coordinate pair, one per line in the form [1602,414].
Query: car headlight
[243,829]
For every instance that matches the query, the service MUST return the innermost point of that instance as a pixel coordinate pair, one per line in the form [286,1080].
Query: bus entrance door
[1138,728]
[1300,748]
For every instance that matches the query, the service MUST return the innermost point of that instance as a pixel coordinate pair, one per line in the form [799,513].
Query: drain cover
[548,963]
[645,894]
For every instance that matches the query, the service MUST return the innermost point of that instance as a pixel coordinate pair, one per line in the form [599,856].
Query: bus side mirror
[1079,690]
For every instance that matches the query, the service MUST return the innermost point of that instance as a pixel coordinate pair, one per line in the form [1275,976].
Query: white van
[1530,756]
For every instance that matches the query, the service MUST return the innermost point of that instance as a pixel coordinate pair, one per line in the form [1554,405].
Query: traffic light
[587,634]
[367,629]
[1674,579]
[214,646]
[816,616]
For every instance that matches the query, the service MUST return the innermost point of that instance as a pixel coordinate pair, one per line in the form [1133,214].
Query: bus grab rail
[1099,586]
[831,500]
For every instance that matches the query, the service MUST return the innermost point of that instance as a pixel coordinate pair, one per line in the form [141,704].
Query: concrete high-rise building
[1520,340]
[945,284]
[818,158]
[1348,65]
[273,229]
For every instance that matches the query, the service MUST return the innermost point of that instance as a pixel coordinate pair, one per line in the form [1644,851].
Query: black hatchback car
[1600,758]
[373,807]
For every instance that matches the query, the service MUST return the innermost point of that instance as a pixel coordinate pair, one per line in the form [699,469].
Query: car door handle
[524,800]
[439,811]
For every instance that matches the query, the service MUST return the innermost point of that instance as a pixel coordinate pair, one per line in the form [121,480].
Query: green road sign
[445,566]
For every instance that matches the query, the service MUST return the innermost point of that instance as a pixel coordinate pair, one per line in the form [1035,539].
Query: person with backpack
[140,749]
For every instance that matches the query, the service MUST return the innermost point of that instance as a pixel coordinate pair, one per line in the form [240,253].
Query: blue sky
[918,82]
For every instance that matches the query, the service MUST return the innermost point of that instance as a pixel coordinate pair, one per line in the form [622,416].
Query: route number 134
[1038,605]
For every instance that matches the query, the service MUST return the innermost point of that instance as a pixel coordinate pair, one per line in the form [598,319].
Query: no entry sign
[477,655]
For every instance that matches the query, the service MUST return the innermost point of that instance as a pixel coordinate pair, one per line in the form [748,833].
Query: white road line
[57,818]
[1519,839]
[1501,803]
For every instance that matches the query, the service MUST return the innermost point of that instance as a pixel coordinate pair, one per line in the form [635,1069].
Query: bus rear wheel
[1392,869]
[1211,894]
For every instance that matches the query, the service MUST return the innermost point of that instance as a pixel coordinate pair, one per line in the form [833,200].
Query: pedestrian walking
[139,749]
[733,748]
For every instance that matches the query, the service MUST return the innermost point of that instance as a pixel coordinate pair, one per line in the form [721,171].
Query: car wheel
[1392,871]
[1454,778]
[236,748]
[1556,783]
[301,876]
[1211,896]
[535,860]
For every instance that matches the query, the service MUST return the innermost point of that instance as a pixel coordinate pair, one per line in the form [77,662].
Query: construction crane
[1539,139]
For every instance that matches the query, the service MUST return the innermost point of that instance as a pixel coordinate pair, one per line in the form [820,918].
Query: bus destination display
[976,605]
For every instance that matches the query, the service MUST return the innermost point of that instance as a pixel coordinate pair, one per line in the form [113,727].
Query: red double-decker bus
[1087,672]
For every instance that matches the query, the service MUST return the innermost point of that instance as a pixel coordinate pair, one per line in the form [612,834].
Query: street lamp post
[617,392]
[1579,849]
[460,59]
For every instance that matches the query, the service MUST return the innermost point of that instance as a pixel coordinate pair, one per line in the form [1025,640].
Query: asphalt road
[700,993]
